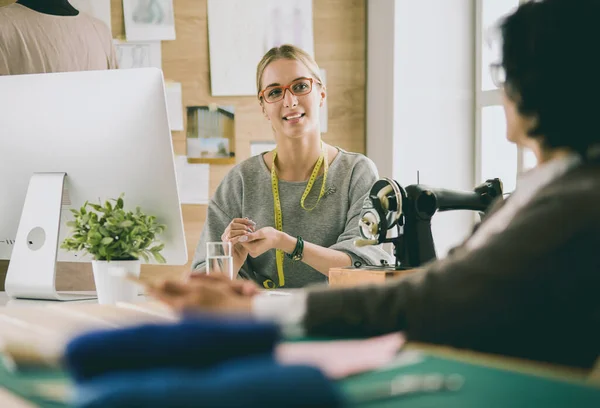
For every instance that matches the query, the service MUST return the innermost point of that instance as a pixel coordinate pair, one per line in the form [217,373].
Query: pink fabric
[342,358]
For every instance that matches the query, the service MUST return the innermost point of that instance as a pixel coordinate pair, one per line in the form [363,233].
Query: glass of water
[219,258]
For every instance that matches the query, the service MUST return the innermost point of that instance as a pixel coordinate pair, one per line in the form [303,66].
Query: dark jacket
[532,291]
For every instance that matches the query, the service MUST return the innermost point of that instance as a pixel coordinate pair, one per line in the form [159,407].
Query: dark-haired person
[527,282]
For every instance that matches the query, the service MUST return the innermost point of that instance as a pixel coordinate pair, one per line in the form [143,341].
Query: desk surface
[483,386]
[488,381]
[5,300]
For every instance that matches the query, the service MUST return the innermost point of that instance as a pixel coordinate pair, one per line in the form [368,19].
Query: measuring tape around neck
[269,284]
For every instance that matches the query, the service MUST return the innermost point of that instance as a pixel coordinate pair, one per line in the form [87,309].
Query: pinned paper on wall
[149,20]
[323,111]
[95,8]
[251,28]
[138,54]
[192,181]
[257,148]
[210,132]
[174,105]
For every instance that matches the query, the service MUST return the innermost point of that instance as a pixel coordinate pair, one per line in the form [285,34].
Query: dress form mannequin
[53,7]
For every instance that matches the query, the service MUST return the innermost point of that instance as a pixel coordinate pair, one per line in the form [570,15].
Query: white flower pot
[110,287]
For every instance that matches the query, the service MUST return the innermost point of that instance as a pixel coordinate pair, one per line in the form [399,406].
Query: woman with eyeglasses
[292,213]
[526,283]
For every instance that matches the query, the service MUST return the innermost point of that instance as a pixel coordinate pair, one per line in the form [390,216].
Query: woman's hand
[237,229]
[206,293]
[236,232]
[268,238]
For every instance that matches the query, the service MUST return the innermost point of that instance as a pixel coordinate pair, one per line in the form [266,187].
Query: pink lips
[293,117]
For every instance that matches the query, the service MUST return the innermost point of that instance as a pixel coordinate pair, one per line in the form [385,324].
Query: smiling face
[295,115]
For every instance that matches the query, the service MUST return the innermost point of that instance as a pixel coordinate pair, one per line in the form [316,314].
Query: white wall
[420,99]
[381,75]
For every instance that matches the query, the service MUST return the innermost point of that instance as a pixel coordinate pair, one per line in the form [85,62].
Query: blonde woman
[292,213]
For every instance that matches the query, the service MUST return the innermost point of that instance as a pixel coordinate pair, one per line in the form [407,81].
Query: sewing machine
[410,210]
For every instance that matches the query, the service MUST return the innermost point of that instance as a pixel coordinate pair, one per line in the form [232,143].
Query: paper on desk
[342,358]
[174,105]
[192,181]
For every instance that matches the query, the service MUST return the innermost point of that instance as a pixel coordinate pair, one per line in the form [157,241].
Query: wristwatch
[298,252]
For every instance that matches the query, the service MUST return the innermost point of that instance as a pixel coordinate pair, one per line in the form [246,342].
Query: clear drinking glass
[219,258]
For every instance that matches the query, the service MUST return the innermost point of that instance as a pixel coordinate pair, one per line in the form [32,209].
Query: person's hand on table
[237,232]
[265,239]
[215,293]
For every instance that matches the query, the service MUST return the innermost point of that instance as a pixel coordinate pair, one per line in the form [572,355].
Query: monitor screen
[107,130]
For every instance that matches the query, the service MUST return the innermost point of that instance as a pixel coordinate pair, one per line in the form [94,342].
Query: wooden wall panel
[340,30]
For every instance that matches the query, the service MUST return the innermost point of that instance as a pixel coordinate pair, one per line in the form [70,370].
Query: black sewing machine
[410,211]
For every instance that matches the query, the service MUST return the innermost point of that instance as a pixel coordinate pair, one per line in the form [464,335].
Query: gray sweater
[246,192]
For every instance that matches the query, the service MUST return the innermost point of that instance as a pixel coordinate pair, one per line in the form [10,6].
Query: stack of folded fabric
[204,362]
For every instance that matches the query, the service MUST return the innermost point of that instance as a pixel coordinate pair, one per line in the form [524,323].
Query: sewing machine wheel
[382,210]
[369,225]
[391,197]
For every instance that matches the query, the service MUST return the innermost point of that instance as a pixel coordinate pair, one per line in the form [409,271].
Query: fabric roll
[193,344]
[255,382]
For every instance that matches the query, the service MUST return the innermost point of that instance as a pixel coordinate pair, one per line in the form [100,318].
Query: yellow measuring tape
[269,284]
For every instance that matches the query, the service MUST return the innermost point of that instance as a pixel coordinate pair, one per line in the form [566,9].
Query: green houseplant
[116,239]
[109,233]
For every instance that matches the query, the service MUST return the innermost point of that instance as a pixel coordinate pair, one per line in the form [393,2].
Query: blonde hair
[289,52]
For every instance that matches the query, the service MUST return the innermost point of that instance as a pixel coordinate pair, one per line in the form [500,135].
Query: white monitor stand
[32,269]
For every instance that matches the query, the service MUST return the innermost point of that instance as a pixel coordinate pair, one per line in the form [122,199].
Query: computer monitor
[104,133]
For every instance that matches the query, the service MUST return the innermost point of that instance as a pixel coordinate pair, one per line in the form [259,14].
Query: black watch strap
[298,251]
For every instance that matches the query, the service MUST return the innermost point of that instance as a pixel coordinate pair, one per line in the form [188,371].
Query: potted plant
[116,239]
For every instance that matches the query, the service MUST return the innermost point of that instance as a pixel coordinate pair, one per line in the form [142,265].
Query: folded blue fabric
[256,382]
[193,343]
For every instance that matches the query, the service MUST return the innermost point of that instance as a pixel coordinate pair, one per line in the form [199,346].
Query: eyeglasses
[275,93]
[498,74]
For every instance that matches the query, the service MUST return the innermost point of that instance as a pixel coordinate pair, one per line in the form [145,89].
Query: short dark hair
[549,55]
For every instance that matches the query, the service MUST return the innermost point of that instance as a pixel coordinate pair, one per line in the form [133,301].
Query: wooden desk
[490,381]
[51,323]
[8,399]
[344,277]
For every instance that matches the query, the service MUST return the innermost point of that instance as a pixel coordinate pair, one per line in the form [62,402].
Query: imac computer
[68,138]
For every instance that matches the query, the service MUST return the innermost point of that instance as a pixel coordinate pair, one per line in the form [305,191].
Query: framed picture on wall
[210,136]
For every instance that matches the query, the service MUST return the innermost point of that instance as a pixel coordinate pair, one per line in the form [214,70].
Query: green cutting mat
[37,386]
[483,387]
